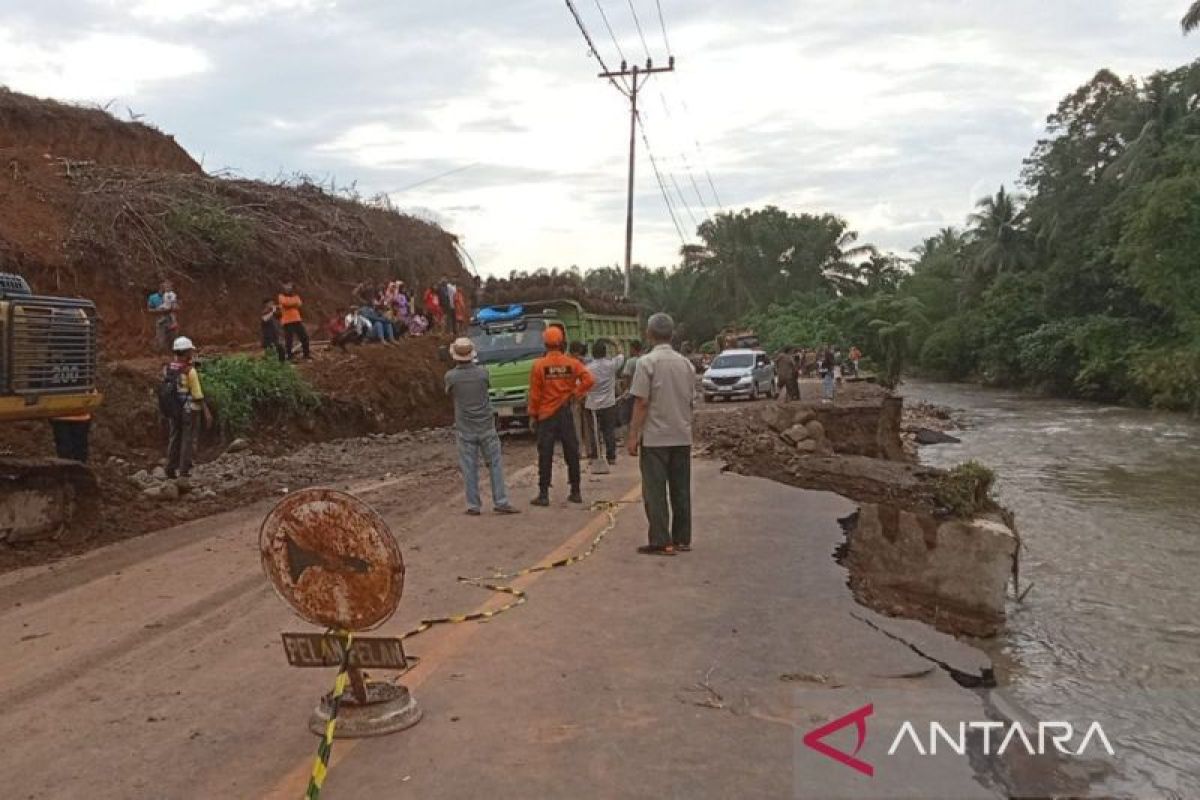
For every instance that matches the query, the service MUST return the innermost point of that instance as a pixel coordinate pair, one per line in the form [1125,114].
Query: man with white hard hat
[181,401]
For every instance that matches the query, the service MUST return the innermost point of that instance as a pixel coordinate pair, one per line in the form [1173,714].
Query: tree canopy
[1084,282]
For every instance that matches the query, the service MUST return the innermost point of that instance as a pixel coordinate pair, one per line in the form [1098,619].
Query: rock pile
[798,426]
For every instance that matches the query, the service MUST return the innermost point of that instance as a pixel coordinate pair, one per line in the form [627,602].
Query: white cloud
[897,116]
[222,11]
[94,66]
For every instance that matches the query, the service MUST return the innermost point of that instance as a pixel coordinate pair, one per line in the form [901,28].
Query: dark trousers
[348,336]
[667,494]
[71,439]
[293,331]
[558,428]
[274,347]
[793,388]
[182,442]
[603,428]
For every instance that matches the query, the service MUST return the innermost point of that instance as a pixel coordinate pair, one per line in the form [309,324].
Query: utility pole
[637,79]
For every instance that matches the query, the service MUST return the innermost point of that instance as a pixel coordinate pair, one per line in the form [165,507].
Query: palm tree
[1191,20]
[842,267]
[998,229]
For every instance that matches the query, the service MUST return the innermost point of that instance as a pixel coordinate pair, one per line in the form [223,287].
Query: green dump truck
[509,339]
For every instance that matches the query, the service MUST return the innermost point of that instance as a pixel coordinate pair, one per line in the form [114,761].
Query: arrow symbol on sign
[300,559]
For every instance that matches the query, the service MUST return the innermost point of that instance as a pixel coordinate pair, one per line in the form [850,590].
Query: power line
[683,201]
[638,23]
[611,35]
[658,176]
[594,51]
[687,114]
[437,177]
[700,151]
[683,155]
[663,25]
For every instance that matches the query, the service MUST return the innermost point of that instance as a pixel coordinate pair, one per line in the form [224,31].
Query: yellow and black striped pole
[325,748]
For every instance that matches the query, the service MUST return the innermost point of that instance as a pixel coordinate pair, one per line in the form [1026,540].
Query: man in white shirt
[601,403]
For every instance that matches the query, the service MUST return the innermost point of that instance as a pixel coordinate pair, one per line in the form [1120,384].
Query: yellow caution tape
[609,507]
[325,748]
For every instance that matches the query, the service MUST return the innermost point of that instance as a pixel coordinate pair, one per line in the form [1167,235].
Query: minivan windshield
[737,361]
[503,343]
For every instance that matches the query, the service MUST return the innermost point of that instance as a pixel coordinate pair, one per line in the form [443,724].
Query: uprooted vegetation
[966,490]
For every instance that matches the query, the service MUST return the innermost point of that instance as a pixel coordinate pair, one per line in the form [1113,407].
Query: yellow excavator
[48,364]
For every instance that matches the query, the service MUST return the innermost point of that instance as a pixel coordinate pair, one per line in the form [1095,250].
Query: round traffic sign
[331,557]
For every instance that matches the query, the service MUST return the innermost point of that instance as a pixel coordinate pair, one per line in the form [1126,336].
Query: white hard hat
[182,344]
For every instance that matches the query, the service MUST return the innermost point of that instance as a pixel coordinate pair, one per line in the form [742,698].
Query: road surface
[153,668]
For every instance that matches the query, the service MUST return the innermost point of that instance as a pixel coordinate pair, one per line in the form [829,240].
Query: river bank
[1105,501]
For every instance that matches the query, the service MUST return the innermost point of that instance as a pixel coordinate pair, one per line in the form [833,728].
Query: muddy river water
[1108,505]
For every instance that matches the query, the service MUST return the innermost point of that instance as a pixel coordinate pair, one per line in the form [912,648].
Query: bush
[1169,376]
[1049,358]
[949,351]
[240,387]
[966,490]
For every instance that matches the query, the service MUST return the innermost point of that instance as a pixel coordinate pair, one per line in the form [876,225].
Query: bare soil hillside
[95,207]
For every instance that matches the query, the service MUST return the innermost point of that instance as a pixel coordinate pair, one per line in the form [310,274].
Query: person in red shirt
[554,381]
[433,307]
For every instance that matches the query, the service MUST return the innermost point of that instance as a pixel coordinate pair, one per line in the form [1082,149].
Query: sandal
[653,550]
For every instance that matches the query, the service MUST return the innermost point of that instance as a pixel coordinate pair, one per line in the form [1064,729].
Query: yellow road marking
[437,649]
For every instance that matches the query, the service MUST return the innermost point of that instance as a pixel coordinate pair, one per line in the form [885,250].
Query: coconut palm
[997,229]
[1191,20]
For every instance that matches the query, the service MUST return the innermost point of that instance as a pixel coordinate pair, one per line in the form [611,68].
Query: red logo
[857,718]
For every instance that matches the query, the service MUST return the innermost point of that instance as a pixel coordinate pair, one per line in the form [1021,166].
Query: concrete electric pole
[637,79]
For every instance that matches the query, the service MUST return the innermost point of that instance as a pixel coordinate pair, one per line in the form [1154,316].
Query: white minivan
[739,373]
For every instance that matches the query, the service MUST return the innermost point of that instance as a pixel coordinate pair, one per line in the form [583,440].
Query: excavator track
[40,498]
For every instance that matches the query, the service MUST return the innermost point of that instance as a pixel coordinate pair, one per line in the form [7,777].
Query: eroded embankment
[925,543]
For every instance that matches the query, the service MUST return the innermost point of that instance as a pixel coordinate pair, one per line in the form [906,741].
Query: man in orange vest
[554,381]
[293,323]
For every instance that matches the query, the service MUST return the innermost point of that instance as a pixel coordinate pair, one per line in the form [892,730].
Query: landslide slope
[96,207]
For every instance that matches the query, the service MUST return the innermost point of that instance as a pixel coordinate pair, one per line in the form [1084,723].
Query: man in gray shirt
[664,387]
[468,384]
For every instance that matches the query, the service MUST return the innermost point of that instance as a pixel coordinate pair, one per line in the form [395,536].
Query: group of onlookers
[563,387]
[826,362]
[385,314]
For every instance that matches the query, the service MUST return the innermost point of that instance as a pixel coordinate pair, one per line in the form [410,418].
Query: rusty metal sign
[331,557]
[325,650]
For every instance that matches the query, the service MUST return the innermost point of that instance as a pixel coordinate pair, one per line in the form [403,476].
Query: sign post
[332,558]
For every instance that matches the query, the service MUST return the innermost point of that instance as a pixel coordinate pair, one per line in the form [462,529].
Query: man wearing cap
[468,384]
[554,381]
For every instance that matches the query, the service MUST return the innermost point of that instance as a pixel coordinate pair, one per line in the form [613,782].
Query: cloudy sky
[895,115]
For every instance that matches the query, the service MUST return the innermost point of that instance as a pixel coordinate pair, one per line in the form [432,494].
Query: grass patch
[966,490]
[240,386]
